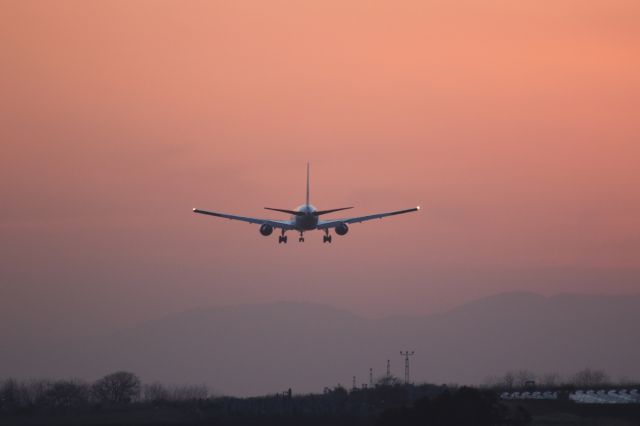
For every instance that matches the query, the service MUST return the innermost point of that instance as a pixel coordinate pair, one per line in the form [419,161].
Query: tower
[406,355]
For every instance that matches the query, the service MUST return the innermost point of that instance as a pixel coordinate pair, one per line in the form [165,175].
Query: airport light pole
[406,355]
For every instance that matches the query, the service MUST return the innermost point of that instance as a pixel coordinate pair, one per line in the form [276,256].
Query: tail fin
[307,183]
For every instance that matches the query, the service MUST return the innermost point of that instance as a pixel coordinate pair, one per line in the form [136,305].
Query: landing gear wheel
[326,238]
[282,239]
[301,239]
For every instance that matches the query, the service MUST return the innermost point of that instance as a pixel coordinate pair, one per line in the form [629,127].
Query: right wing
[333,223]
[282,224]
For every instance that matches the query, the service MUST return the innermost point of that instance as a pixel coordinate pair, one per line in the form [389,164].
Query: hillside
[259,349]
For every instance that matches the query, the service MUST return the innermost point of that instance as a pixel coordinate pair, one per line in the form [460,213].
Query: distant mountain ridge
[265,348]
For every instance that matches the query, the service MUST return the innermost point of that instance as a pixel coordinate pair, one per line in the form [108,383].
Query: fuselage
[305,222]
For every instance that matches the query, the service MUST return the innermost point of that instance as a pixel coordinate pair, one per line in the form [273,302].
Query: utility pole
[388,368]
[406,356]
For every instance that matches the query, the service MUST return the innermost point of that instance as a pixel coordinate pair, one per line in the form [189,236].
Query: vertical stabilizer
[307,183]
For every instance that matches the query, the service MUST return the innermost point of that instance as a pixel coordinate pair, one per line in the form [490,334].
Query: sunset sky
[514,124]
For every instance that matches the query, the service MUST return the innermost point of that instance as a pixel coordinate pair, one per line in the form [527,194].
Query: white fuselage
[305,222]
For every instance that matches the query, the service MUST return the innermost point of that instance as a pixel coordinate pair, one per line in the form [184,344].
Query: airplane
[305,218]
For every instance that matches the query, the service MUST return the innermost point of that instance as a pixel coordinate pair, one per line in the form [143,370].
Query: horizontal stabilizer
[319,212]
[293,212]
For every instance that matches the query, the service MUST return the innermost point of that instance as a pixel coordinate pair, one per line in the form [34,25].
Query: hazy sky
[513,124]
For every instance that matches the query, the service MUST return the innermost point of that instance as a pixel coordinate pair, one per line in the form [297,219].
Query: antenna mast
[406,356]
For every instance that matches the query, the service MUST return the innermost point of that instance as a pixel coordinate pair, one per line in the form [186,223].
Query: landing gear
[282,238]
[301,239]
[326,238]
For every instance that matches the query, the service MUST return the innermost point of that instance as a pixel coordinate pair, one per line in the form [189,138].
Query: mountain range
[267,348]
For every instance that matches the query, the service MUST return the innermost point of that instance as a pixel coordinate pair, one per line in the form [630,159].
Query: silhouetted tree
[509,380]
[550,380]
[121,387]
[189,392]
[155,392]
[10,395]
[590,378]
[388,381]
[33,393]
[66,394]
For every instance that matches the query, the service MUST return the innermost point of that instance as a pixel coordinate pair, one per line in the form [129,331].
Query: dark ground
[382,406]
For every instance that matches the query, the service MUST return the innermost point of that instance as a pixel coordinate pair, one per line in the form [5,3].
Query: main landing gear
[326,238]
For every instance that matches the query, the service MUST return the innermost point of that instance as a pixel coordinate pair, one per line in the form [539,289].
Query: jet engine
[342,229]
[266,229]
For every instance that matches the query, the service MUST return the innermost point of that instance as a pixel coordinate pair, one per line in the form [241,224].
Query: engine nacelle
[266,229]
[342,229]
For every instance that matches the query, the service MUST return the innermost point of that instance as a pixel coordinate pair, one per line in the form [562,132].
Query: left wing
[282,224]
[333,223]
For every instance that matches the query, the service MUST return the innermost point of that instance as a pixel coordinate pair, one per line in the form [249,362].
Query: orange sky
[514,124]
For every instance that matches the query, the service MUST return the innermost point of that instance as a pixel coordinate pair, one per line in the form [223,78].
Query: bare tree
[590,378]
[189,392]
[121,387]
[509,379]
[155,392]
[550,379]
[35,392]
[66,394]
[10,395]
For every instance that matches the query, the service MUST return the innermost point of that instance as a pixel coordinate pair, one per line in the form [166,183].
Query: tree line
[123,398]
[115,389]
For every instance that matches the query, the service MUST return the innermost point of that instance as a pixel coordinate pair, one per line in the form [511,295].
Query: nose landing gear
[301,239]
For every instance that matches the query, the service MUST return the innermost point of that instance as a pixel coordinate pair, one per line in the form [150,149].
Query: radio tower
[406,356]
[371,377]
[388,368]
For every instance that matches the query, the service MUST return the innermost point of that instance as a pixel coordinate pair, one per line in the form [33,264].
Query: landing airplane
[305,218]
